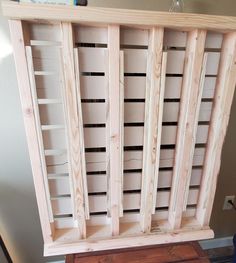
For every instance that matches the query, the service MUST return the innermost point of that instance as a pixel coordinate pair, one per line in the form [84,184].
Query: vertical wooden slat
[73,128]
[121,129]
[81,133]
[152,101]
[114,130]
[198,105]
[187,125]
[29,59]
[159,126]
[19,42]
[107,107]
[225,86]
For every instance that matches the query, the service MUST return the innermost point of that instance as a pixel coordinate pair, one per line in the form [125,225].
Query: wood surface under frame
[177,115]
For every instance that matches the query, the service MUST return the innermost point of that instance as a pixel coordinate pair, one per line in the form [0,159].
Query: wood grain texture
[122,120]
[72,123]
[59,184]
[159,128]
[188,122]
[152,128]
[19,42]
[115,130]
[115,152]
[38,127]
[225,87]
[27,11]
[81,133]
[197,119]
[185,252]
[124,242]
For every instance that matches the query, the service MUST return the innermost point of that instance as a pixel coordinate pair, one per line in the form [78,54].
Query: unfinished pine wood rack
[125,114]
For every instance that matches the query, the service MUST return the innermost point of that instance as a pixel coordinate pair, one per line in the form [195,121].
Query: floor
[221,255]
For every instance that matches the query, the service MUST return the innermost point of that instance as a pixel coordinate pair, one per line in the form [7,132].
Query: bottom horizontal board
[64,248]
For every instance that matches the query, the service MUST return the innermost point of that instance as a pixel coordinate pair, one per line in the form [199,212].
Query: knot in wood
[29,111]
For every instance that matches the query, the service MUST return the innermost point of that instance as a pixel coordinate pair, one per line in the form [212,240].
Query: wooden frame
[125,120]
[117,16]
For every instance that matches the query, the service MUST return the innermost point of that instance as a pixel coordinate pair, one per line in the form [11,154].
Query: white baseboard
[216,242]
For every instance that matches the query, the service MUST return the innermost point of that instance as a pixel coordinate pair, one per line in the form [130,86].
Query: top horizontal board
[28,11]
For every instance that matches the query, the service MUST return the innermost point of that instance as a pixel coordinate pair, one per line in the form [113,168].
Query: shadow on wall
[199,7]
[19,220]
[17,208]
[19,217]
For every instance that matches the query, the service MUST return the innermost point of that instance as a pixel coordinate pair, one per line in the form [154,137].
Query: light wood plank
[135,61]
[45,59]
[106,155]
[33,11]
[38,127]
[81,133]
[133,160]
[19,41]
[188,123]
[91,59]
[97,183]
[115,147]
[133,136]
[133,217]
[93,87]
[46,134]
[225,86]
[195,124]
[72,123]
[124,242]
[121,100]
[159,127]
[152,128]
[62,205]
[95,113]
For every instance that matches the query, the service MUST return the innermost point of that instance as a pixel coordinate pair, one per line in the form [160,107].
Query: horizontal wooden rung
[49,101]
[52,127]
[44,43]
[44,73]
[97,203]
[57,175]
[54,152]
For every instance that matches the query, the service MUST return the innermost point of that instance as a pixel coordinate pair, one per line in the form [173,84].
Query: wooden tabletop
[183,252]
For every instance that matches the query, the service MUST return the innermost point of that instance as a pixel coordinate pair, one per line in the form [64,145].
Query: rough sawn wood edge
[98,15]
[124,242]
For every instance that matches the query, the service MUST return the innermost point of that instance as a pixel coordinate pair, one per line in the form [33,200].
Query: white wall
[219,7]
[19,223]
